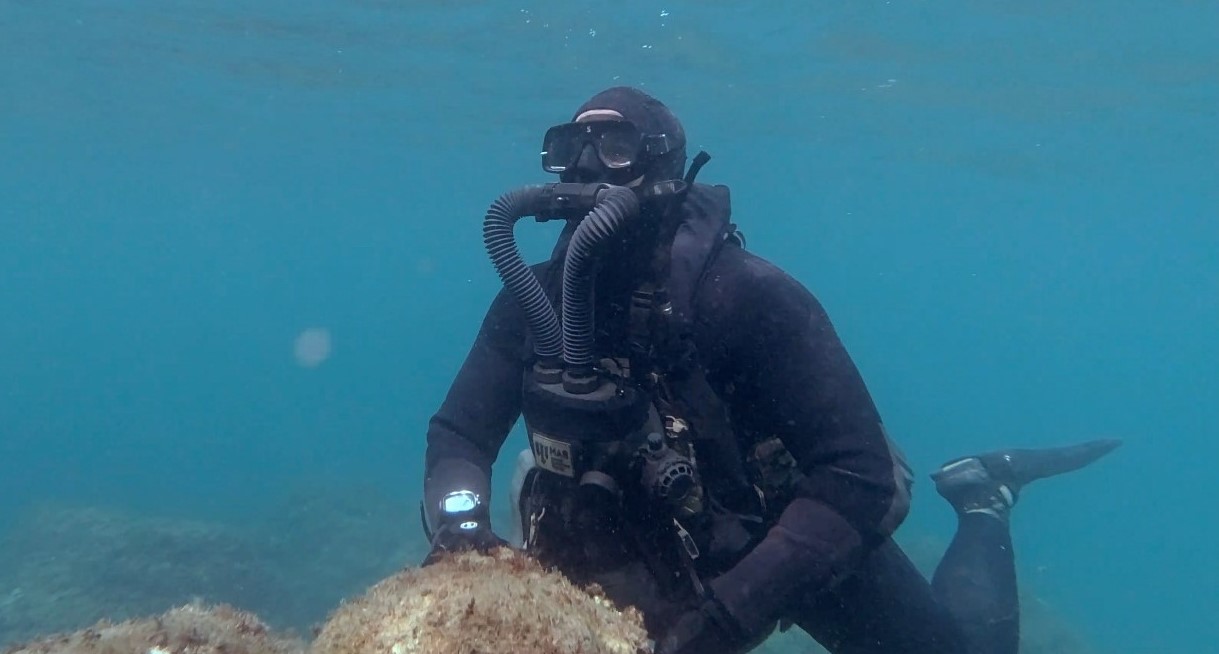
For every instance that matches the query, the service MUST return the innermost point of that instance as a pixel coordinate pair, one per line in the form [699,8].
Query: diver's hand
[461,537]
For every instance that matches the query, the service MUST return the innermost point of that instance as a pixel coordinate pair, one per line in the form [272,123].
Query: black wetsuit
[770,352]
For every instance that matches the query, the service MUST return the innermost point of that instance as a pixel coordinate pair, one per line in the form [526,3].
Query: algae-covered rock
[474,604]
[191,629]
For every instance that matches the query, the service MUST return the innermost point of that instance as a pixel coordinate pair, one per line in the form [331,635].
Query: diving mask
[619,144]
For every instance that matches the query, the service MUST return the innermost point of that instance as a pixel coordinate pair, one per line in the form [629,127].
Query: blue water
[1009,209]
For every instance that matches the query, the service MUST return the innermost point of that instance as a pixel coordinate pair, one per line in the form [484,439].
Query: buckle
[687,541]
[531,538]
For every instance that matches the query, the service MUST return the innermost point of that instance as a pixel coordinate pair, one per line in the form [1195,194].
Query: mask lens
[618,144]
[560,147]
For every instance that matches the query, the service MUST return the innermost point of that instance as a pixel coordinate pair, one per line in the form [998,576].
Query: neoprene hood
[651,116]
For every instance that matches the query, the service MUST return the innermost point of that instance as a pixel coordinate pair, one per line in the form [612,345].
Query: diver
[702,446]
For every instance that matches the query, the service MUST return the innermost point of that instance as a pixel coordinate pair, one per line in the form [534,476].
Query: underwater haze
[241,249]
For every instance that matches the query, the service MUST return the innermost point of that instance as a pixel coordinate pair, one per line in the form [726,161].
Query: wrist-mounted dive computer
[462,509]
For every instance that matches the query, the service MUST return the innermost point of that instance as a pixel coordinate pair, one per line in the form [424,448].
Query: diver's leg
[885,607]
[976,579]
[976,583]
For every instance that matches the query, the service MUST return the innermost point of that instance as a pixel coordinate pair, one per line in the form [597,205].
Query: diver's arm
[792,377]
[465,435]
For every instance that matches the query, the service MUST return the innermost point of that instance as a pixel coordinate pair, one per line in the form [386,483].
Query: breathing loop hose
[518,279]
[615,206]
[572,339]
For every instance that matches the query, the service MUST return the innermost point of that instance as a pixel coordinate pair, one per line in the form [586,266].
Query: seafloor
[64,568]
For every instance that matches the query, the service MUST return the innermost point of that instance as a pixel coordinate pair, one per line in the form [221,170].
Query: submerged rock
[191,629]
[468,603]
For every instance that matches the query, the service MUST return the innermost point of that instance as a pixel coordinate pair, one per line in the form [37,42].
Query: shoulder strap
[704,229]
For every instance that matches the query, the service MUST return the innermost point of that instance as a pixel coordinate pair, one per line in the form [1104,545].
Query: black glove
[463,536]
[709,629]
